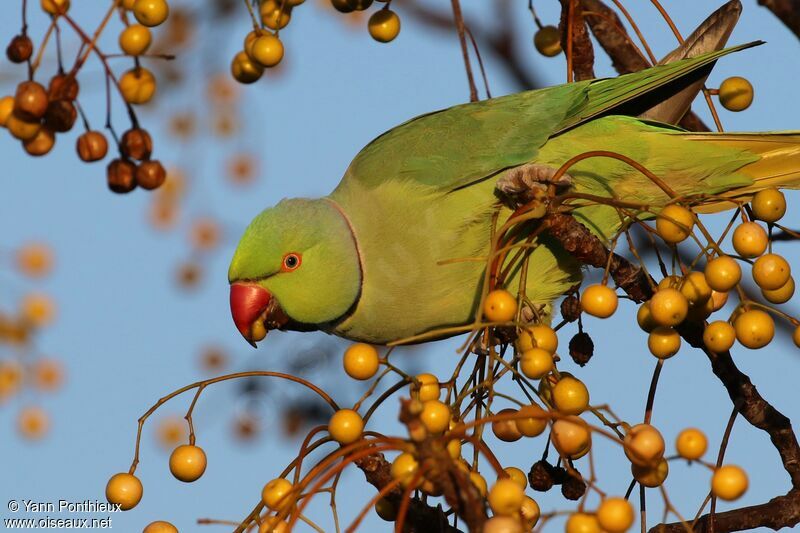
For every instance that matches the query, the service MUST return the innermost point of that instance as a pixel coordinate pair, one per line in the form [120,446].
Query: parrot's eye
[291,262]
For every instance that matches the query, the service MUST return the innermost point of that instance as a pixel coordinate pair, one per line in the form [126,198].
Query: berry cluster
[36,114]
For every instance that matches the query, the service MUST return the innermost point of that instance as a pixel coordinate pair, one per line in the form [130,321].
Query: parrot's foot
[527,183]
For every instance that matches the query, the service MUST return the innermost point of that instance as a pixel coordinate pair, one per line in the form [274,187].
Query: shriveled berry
[150,175]
[63,87]
[136,144]
[30,100]
[60,115]
[20,49]
[581,348]
[121,176]
[573,487]
[92,146]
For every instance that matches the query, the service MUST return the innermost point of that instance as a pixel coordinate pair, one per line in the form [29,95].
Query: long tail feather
[778,163]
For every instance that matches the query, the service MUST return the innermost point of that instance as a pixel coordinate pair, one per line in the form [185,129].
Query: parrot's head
[296,267]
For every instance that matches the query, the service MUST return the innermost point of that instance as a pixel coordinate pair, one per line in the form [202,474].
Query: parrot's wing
[458,146]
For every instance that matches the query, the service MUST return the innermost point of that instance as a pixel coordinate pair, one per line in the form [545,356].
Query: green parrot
[399,248]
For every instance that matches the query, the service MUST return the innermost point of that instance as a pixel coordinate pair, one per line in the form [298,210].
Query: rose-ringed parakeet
[399,248]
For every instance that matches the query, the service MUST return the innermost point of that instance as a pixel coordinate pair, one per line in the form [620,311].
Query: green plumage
[401,243]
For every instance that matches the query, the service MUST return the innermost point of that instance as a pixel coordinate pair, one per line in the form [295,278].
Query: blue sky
[127,336]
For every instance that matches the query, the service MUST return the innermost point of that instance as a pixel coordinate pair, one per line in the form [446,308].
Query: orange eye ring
[291,261]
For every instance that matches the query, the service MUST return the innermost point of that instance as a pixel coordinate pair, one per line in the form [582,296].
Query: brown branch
[459,20]
[501,41]
[580,52]
[421,518]
[788,11]
[782,511]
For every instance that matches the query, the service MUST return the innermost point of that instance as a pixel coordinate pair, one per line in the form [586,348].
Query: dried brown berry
[60,115]
[92,146]
[19,49]
[581,348]
[573,487]
[30,101]
[150,175]
[571,308]
[136,144]
[541,476]
[41,144]
[121,175]
[63,87]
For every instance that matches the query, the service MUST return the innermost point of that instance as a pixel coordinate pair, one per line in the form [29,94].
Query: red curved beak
[248,304]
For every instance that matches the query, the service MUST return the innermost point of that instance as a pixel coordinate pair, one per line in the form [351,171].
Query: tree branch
[782,511]
[788,11]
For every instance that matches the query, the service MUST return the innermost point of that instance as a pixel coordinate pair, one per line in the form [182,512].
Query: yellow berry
[735,94]
[674,223]
[361,361]
[151,12]
[570,396]
[160,526]
[505,497]
[719,336]
[535,424]
[271,524]
[691,444]
[435,416]
[479,482]
[796,336]
[41,144]
[696,289]
[55,7]
[750,239]
[615,515]
[506,430]
[275,19]
[6,107]
[723,273]
[404,467]
[771,271]
[244,69]
[37,310]
[582,523]
[124,489]
[384,25]
[644,445]
[22,129]
[664,342]
[754,329]
[651,476]
[454,448]
[517,476]
[570,436]
[538,336]
[500,306]
[729,482]
[781,295]
[769,205]
[267,50]
[346,426]
[276,494]
[530,511]
[187,463]
[33,422]
[645,318]
[135,40]
[669,307]
[547,41]
[599,300]
[719,299]
[428,388]
[138,85]
[536,363]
